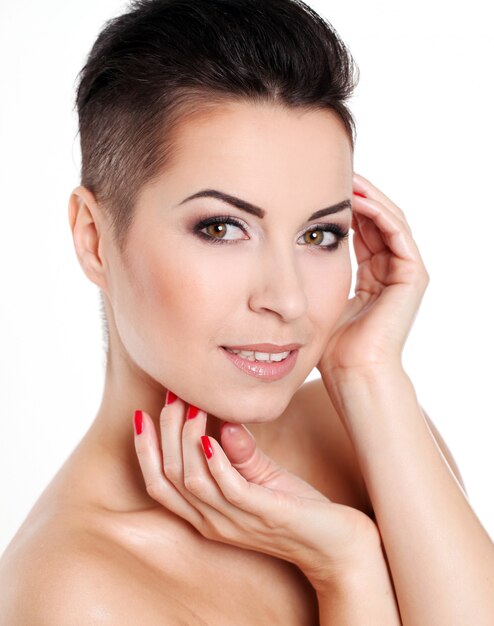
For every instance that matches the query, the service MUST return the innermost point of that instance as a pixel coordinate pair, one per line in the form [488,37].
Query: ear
[85,220]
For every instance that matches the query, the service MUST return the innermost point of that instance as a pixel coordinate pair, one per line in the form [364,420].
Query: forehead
[260,146]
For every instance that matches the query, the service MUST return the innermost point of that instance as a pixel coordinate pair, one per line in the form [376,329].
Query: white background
[424,109]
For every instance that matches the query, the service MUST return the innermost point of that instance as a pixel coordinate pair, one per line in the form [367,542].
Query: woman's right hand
[242,497]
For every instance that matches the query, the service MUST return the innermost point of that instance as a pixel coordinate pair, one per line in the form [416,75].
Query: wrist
[369,373]
[330,573]
[350,387]
[362,595]
[368,577]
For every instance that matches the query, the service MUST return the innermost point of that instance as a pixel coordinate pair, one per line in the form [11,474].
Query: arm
[440,556]
[360,598]
[445,450]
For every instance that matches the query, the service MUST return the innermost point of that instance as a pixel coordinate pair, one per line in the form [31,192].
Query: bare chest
[214,583]
[158,565]
[211,583]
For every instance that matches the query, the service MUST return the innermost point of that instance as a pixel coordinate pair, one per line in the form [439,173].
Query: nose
[277,286]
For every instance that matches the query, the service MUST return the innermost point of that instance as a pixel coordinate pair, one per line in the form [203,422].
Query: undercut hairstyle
[164,62]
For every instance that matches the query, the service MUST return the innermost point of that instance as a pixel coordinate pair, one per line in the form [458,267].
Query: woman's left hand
[391,281]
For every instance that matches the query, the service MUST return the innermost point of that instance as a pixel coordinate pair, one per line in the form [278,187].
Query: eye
[316,235]
[217,229]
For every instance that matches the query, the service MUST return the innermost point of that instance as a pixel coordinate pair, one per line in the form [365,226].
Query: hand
[242,497]
[391,280]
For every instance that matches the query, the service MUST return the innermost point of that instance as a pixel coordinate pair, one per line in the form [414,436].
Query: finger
[172,424]
[362,252]
[157,486]
[190,473]
[241,449]
[391,228]
[197,478]
[370,234]
[215,481]
[363,185]
[239,492]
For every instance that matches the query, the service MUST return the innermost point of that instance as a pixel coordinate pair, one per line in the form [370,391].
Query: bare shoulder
[65,575]
[312,401]
[327,429]
[330,446]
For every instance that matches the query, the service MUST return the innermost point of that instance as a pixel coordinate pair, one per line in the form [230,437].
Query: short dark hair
[164,61]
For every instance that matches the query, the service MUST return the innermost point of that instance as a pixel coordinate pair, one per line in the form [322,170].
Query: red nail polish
[138,422]
[192,411]
[170,397]
[206,445]
[359,194]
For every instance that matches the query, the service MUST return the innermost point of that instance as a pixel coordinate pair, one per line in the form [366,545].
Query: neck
[113,477]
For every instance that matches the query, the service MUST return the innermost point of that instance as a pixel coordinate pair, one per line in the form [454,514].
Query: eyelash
[224,219]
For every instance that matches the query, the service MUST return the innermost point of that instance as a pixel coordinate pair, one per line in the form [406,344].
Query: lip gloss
[263,370]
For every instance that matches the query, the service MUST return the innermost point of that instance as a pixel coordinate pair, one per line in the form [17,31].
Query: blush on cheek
[328,296]
[149,307]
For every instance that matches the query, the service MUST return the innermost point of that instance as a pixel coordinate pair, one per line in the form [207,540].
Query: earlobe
[83,217]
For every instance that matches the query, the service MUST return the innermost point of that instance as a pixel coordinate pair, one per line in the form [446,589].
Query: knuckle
[173,471]
[400,215]
[154,490]
[278,523]
[424,279]
[236,497]
[194,483]
[207,530]
[273,522]
[141,449]
[212,529]
[164,417]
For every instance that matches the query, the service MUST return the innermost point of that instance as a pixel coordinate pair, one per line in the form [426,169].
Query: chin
[253,408]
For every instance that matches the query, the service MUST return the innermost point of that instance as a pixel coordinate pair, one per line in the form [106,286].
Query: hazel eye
[219,230]
[215,229]
[316,236]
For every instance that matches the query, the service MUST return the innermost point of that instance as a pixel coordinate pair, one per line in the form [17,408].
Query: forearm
[440,557]
[360,598]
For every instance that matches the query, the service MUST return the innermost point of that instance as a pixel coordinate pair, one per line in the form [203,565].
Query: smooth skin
[322,538]
[97,541]
[234,501]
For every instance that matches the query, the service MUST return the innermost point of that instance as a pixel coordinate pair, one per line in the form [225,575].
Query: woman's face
[179,297]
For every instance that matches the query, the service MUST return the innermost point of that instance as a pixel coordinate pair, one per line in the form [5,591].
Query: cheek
[328,289]
[168,310]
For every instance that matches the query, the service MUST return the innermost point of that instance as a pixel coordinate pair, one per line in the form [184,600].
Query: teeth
[265,357]
[280,356]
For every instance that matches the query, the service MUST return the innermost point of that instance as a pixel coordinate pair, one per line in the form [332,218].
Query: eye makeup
[339,233]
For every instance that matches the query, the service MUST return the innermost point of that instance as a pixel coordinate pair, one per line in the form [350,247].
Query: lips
[266,347]
[263,370]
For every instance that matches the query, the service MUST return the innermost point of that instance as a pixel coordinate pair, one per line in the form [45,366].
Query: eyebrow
[243,205]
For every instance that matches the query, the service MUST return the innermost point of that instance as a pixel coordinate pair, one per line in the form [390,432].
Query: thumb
[255,466]
[246,457]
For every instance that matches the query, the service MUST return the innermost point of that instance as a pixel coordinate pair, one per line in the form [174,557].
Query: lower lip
[266,371]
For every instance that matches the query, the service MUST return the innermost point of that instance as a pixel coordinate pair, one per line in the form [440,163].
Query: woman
[326,506]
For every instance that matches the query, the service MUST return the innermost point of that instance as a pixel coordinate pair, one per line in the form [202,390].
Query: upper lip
[267,347]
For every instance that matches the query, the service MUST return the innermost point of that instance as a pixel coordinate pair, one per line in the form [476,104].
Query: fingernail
[359,194]
[206,446]
[138,422]
[192,411]
[230,428]
[170,397]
